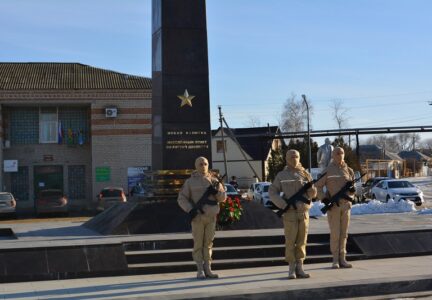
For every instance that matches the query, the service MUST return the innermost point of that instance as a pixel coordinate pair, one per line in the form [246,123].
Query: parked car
[7,203]
[397,190]
[252,189]
[368,185]
[262,195]
[109,196]
[51,201]
[231,191]
[358,197]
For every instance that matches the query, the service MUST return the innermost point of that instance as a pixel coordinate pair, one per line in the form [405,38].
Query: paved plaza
[371,276]
[253,283]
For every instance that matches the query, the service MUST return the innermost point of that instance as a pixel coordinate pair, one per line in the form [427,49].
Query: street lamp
[308,129]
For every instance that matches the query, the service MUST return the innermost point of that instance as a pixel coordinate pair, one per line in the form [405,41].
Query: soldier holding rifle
[200,196]
[338,182]
[295,217]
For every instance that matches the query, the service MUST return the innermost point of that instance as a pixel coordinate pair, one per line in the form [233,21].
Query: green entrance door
[48,177]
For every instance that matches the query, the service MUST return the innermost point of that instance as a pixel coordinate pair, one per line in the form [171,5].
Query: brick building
[72,127]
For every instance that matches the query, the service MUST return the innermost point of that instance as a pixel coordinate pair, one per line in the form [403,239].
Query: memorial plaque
[180,99]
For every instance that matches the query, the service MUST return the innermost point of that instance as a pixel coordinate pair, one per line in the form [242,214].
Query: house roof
[256,147]
[376,152]
[65,76]
[414,154]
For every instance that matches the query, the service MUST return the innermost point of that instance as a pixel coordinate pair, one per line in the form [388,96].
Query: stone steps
[164,256]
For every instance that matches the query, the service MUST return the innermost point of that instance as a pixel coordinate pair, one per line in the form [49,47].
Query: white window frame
[53,131]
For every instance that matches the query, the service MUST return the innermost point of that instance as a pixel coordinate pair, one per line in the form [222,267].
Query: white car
[262,195]
[397,190]
[252,189]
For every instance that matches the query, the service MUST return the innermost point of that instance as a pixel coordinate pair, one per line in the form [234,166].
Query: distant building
[376,152]
[256,148]
[72,127]
[417,163]
[376,161]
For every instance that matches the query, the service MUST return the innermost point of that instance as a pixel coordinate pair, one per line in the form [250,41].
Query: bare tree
[253,121]
[379,140]
[340,113]
[416,141]
[388,143]
[408,141]
[403,140]
[427,144]
[294,115]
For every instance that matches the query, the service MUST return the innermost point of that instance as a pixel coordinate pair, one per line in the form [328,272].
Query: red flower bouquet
[230,211]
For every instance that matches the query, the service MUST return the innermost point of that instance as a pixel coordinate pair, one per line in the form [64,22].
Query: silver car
[7,203]
[397,190]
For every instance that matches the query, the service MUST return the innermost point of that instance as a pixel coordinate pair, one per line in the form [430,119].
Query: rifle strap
[210,202]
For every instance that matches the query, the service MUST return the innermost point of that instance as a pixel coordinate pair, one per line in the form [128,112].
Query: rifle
[341,194]
[298,196]
[204,198]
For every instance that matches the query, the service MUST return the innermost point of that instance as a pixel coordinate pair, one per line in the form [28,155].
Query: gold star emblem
[186,99]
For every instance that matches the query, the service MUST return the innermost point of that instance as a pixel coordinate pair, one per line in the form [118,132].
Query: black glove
[325,201]
[193,213]
[212,190]
[307,185]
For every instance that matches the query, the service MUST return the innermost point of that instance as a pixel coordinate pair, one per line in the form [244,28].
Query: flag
[70,136]
[60,133]
[80,137]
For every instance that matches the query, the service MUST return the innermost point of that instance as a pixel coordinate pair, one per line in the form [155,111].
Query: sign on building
[10,165]
[103,174]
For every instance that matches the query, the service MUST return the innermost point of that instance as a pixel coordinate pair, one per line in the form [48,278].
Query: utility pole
[223,142]
[308,130]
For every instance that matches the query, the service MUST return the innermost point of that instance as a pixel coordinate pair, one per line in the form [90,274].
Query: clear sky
[374,55]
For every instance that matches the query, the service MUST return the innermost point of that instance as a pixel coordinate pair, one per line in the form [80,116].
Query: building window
[33,125]
[24,126]
[48,131]
[74,125]
[220,146]
[76,182]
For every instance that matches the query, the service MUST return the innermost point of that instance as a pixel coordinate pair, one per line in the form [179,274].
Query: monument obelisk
[180,100]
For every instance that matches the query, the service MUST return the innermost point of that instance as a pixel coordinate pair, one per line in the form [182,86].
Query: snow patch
[425,211]
[372,207]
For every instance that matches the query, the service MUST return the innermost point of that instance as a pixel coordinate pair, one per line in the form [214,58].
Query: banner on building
[137,177]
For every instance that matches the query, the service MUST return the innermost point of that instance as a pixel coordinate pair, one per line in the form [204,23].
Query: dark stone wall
[62,262]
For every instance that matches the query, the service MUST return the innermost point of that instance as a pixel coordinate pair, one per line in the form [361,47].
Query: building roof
[414,154]
[255,146]
[65,76]
[376,152]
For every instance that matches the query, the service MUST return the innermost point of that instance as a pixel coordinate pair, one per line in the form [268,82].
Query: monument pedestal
[167,217]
